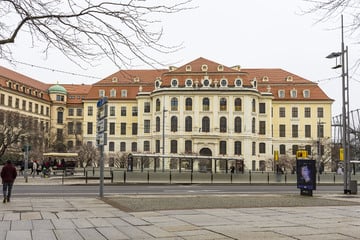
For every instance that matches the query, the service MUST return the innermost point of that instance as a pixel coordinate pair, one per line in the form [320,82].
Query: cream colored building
[200,108]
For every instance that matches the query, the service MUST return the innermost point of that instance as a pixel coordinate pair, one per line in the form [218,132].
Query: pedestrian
[8,176]
[34,168]
[232,169]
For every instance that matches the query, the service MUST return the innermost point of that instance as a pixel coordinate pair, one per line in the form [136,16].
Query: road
[93,190]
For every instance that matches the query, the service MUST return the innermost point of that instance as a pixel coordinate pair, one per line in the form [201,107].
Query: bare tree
[88,156]
[89,30]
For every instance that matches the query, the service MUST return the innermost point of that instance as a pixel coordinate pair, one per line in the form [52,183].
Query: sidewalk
[91,218]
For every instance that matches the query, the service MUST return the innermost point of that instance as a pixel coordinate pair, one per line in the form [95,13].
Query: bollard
[86,177]
[124,176]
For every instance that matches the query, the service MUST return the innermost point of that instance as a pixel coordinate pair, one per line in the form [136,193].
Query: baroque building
[201,108]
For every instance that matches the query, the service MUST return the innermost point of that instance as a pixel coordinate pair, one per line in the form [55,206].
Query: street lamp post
[345,107]
[163,138]
[320,132]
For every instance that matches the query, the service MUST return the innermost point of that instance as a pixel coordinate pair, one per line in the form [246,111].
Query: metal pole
[163,139]
[26,164]
[101,190]
[345,112]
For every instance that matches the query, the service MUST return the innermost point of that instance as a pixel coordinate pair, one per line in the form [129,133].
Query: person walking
[8,176]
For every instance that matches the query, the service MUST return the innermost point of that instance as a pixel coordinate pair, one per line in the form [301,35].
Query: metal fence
[115,175]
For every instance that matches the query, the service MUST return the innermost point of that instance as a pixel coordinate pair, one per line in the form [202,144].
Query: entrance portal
[205,165]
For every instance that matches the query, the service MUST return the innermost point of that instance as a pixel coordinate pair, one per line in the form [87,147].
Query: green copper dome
[57,89]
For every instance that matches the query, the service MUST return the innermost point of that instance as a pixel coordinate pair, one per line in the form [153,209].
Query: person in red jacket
[8,176]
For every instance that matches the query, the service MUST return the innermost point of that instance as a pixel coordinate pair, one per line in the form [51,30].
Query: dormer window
[101,93]
[114,79]
[293,93]
[188,68]
[113,93]
[206,83]
[265,79]
[223,82]
[289,78]
[189,83]
[204,68]
[238,82]
[306,93]
[174,83]
[123,93]
[254,83]
[281,93]
[220,68]
[157,83]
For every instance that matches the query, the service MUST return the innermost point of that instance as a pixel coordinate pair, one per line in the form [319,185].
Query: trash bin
[353,187]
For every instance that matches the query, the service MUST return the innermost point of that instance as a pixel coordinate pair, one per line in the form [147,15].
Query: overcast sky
[250,33]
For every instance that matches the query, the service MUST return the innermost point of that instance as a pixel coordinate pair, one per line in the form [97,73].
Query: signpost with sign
[101,136]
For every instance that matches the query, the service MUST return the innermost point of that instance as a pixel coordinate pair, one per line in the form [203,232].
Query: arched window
[237,125]
[223,124]
[205,124]
[188,124]
[222,147]
[237,103]
[206,104]
[174,124]
[262,147]
[174,104]
[253,125]
[188,104]
[158,124]
[158,105]
[253,105]
[223,104]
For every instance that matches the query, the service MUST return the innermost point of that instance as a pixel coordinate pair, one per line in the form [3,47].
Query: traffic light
[26,148]
[341,153]
[301,154]
[276,155]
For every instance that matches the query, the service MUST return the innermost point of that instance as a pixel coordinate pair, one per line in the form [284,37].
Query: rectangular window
[123,128]
[146,107]
[41,109]
[262,127]
[17,103]
[320,130]
[262,108]
[101,93]
[134,111]
[146,146]
[59,98]
[222,146]
[124,93]
[282,130]
[295,131]
[2,99]
[188,146]
[320,112]
[10,101]
[134,128]
[36,108]
[79,112]
[134,146]
[71,112]
[146,126]
[78,128]
[294,112]
[112,128]
[90,110]
[157,146]
[112,111]
[307,112]
[89,128]
[237,148]
[111,146]
[282,112]
[70,128]
[173,146]
[23,104]
[308,131]
[253,148]
[123,111]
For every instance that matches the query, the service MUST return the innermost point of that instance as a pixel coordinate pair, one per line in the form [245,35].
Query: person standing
[8,176]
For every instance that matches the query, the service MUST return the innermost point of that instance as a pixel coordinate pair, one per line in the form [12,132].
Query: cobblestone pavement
[249,216]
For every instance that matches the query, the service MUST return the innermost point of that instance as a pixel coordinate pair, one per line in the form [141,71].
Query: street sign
[101,102]
[102,112]
[102,125]
[101,138]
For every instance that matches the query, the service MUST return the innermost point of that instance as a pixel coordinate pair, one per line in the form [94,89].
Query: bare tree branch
[90,30]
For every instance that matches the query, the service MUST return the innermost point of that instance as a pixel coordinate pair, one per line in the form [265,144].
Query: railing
[115,175]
